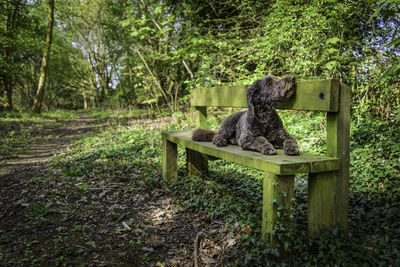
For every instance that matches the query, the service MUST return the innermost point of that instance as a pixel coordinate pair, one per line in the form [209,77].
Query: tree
[90,23]
[19,28]
[37,105]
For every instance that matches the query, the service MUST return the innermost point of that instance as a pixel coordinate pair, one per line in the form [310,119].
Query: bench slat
[278,164]
[315,95]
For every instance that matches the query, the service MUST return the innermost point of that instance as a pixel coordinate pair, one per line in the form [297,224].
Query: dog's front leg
[283,139]
[259,144]
[227,130]
[290,147]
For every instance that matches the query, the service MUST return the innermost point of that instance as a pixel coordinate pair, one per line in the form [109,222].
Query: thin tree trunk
[37,104]
[131,85]
[9,92]
[85,105]
[154,77]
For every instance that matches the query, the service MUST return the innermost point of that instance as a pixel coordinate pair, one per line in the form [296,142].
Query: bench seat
[280,164]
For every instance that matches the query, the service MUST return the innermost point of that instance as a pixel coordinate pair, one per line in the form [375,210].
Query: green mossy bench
[328,174]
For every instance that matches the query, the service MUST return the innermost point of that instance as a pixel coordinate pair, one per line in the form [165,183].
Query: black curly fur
[259,128]
[203,135]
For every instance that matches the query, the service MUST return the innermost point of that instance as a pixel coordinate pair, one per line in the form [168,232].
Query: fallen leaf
[159,214]
[207,260]
[207,242]
[102,194]
[154,241]
[231,242]
[246,229]
[166,201]
[126,226]
[148,249]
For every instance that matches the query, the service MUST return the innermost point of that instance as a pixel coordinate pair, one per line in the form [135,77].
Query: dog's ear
[251,91]
[270,88]
[260,90]
[268,83]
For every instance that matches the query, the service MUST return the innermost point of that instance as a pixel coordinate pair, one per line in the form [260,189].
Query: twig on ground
[196,249]
[126,226]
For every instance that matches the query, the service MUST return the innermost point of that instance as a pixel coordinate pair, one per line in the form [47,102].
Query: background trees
[37,104]
[146,52]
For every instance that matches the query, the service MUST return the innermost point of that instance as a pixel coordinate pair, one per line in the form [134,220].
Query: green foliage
[117,113]
[376,158]
[41,210]
[152,54]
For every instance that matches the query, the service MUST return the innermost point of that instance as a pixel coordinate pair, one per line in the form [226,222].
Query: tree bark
[6,93]
[11,14]
[37,104]
[9,93]
[131,84]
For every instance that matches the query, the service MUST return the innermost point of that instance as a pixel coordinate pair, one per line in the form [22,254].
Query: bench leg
[196,163]
[169,160]
[322,205]
[278,193]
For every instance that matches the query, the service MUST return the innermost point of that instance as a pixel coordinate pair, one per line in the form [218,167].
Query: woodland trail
[51,141]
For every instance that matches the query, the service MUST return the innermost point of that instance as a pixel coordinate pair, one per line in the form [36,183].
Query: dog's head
[265,93]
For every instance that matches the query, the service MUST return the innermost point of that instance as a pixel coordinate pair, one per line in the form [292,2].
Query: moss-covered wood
[196,163]
[201,117]
[322,191]
[278,193]
[278,164]
[338,145]
[318,95]
[169,160]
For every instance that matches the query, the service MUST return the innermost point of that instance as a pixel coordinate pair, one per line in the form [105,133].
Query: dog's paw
[219,141]
[290,147]
[268,149]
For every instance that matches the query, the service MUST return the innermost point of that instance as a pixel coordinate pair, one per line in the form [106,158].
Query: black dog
[259,128]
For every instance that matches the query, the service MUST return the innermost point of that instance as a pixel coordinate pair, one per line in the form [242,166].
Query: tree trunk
[85,105]
[7,94]
[37,104]
[131,85]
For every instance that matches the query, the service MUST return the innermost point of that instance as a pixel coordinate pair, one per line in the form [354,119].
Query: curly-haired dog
[259,128]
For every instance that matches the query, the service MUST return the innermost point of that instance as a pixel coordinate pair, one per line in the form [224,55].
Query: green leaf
[158,10]
[332,50]
[398,115]
[333,40]
[331,65]
[125,23]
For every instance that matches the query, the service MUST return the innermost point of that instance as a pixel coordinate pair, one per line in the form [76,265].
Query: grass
[118,113]
[131,156]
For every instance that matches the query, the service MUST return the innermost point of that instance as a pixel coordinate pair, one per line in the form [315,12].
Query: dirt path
[50,143]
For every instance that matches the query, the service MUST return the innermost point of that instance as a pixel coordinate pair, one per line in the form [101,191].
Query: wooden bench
[328,175]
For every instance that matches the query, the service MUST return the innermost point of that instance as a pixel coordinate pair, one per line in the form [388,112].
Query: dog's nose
[293,80]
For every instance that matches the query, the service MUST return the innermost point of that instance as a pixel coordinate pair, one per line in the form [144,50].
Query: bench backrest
[316,95]
[312,95]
